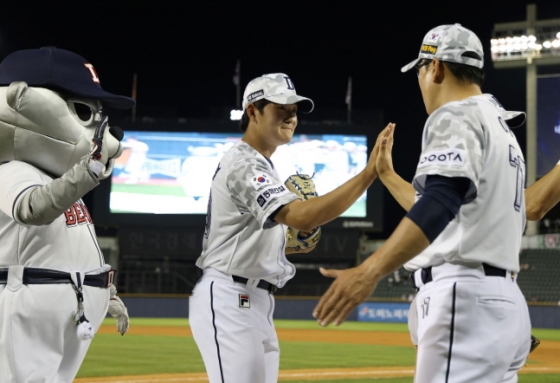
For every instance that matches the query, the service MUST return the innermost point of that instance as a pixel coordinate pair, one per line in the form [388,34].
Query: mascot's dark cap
[59,70]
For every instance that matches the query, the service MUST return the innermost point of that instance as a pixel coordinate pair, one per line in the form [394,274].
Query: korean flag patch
[244,301]
[260,180]
[434,37]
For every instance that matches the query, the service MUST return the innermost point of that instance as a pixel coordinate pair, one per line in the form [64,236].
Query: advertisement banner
[383,312]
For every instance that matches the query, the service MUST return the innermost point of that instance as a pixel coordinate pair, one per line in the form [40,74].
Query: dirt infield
[545,358]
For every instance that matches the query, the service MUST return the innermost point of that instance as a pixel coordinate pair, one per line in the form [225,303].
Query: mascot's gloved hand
[118,310]
[96,165]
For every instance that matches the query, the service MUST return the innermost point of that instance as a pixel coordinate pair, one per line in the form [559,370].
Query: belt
[34,276]
[261,285]
[426,274]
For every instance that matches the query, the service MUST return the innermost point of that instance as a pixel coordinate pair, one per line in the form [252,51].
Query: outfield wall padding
[178,307]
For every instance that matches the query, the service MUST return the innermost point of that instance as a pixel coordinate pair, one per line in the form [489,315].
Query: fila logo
[244,301]
[77,214]
[91,69]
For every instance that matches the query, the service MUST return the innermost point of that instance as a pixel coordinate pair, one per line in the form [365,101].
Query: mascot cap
[59,70]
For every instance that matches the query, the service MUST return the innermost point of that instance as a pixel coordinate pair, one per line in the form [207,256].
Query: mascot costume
[55,146]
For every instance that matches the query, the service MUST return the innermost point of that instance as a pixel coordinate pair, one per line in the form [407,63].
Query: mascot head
[51,102]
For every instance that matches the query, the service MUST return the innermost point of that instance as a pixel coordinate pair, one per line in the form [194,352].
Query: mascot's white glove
[118,310]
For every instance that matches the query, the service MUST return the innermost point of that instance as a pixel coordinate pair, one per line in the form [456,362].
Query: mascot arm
[41,205]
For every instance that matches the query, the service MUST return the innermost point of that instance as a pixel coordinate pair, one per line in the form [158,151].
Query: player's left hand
[118,310]
[350,288]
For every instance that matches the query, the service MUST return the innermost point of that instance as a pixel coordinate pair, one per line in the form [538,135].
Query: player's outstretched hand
[384,162]
[350,288]
[373,156]
[118,310]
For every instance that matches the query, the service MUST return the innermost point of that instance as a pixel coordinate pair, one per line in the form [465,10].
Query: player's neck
[456,92]
[259,145]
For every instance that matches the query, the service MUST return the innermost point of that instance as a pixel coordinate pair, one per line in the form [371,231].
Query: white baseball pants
[38,340]
[471,327]
[233,329]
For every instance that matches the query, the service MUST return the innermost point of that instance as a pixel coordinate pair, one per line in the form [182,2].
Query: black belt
[34,276]
[261,285]
[426,274]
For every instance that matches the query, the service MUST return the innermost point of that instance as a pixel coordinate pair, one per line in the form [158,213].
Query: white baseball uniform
[38,341]
[232,321]
[473,321]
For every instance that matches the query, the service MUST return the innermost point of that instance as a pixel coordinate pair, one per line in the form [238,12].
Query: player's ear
[251,112]
[438,71]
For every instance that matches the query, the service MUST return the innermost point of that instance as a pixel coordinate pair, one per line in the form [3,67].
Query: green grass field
[113,355]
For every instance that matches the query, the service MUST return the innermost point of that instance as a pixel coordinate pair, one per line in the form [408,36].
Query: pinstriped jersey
[68,243]
[469,138]
[240,238]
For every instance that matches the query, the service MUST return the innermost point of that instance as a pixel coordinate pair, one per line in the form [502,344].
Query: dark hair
[467,73]
[245,118]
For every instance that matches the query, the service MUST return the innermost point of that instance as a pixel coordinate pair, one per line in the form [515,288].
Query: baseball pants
[471,327]
[38,340]
[233,329]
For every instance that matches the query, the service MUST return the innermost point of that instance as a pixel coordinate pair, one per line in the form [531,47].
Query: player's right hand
[371,165]
[384,161]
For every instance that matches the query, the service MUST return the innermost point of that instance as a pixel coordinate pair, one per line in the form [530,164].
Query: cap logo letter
[290,83]
[94,76]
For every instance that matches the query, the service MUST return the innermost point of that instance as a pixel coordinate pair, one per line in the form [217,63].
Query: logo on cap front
[429,49]
[254,95]
[434,37]
[93,73]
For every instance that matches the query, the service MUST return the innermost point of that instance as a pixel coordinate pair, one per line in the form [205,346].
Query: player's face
[279,123]
[425,82]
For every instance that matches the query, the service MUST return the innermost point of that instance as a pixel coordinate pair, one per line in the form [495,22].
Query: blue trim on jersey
[439,204]
[452,332]
[16,199]
[215,329]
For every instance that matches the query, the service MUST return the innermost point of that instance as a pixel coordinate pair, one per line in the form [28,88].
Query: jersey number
[519,165]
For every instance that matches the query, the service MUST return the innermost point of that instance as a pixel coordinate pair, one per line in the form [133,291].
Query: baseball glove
[298,241]
[534,343]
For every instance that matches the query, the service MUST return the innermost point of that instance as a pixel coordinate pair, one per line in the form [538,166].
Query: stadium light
[527,44]
[235,115]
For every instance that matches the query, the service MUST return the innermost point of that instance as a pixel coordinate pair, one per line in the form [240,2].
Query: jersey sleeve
[452,147]
[256,186]
[18,177]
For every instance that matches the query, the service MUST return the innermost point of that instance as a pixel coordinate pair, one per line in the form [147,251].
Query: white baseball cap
[452,43]
[275,87]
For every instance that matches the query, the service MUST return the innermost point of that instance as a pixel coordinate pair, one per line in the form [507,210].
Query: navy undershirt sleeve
[439,204]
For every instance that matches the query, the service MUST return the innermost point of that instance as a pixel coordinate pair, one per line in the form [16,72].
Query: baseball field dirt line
[303,335]
[287,375]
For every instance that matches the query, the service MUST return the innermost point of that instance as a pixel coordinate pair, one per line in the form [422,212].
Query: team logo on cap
[429,49]
[433,37]
[94,75]
[254,95]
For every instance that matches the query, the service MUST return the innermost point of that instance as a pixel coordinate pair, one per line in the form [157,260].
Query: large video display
[171,172]
[548,123]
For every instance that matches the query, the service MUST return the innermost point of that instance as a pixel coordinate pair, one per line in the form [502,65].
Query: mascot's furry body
[52,272]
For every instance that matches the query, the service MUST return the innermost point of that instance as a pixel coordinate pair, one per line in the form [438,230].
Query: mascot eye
[83,111]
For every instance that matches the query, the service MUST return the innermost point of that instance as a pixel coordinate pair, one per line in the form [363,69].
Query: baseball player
[243,257]
[463,235]
[540,197]
[55,287]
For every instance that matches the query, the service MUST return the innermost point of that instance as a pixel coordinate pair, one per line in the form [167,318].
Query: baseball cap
[275,87]
[58,69]
[452,43]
